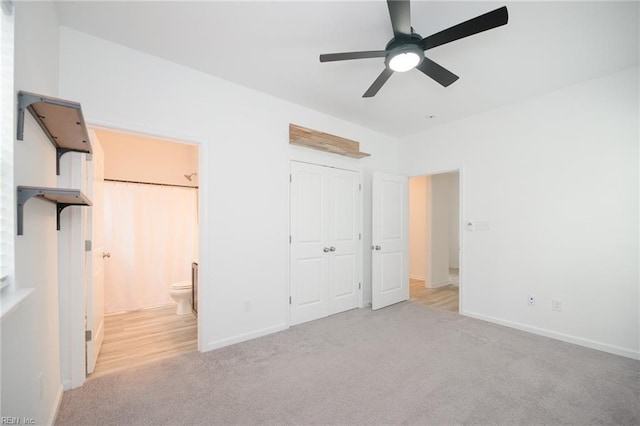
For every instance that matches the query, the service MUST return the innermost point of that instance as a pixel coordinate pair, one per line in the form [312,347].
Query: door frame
[71,277]
[461,227]
[72,297]
[361,231]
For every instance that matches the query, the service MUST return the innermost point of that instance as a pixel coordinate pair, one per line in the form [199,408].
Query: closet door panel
[345,241]
[309,231]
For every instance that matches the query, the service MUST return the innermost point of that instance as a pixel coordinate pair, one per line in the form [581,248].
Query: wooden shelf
[62,121]
[308,138]
[62,198]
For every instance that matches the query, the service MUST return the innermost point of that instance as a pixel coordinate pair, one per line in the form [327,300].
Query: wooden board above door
[301,136]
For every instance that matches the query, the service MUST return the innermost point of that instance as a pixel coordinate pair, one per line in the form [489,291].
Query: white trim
[10,299]
[616,350]
[7,138]
[56,407]
[216,344]
[132,129]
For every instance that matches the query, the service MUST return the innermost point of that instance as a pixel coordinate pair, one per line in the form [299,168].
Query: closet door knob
[332,249]
[326,249]
[106,255]
[378,248]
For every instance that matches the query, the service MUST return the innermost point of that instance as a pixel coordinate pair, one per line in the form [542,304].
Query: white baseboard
[616,350]
[56,407]
[442,284]
[216,344]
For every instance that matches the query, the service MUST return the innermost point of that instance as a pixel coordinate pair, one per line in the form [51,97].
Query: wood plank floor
[135,338]
[445,297]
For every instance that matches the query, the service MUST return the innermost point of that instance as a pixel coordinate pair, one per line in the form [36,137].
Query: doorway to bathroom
[150,249]
[434,240]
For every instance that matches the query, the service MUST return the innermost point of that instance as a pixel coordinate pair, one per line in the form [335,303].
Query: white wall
[418,197]
[439,204]
[244,165]
[454,220]
[30,350]
[557,178]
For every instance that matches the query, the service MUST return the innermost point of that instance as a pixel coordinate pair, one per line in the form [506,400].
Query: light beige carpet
[405,364]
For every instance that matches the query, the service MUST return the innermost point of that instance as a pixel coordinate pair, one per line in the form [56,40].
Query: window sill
[10,299]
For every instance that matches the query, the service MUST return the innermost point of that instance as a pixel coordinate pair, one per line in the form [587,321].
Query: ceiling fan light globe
[404,61]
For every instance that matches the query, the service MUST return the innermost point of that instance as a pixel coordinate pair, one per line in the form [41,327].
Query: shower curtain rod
[149,183]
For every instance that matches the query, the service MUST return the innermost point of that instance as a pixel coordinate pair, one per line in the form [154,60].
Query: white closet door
[325,241]
[309,234]
[390,239]
[344,237]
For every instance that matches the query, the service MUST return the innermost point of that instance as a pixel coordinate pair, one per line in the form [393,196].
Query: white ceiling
[273,47]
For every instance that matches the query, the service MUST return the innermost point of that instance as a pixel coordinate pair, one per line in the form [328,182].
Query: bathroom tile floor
[135,338]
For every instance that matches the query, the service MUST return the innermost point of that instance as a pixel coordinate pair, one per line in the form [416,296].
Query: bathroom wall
[141,158]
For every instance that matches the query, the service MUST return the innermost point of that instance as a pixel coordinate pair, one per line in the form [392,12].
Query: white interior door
[390,240]
[325,241]
[95,267]
[344,240]
[309,242]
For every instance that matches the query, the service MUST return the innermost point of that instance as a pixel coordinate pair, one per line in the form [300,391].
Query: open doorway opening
[434,240]
[150,231]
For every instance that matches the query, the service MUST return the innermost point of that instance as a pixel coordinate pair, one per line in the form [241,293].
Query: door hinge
[359,286]
[87,336]
[290,178]
[87,245]
[289,299]
[289,239]
[359,236]
[88,157]
[359,187]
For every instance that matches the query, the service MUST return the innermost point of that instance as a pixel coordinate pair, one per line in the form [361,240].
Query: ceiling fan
[405,50]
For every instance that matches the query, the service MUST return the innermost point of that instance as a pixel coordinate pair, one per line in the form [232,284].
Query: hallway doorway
[434,240]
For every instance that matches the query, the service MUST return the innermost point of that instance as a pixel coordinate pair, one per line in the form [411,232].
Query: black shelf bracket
[62,198]
[60,120]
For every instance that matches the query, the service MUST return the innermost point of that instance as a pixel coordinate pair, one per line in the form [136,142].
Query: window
[7,114]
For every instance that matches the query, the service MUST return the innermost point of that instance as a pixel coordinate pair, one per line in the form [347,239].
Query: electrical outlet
[556,305]
[531,300]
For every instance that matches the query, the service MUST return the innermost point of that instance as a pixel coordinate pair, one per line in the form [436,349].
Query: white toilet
[181,293]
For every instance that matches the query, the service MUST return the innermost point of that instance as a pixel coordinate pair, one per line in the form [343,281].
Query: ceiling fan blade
[436,72]
[488,21]
[400,13]
[380,81]
[330,57]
